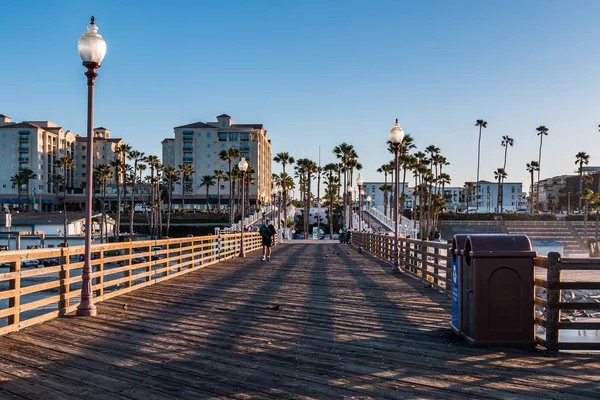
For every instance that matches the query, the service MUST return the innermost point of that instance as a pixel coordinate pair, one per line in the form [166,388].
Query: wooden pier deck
[308,324]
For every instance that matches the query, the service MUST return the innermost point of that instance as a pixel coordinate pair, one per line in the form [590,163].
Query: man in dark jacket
[266,232]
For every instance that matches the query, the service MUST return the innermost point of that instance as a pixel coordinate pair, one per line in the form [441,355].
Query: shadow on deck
[308,324]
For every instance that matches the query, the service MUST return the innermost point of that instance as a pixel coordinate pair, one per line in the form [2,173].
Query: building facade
[38,145]
[199,144]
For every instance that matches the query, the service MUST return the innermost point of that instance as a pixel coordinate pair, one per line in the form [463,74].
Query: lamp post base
[396,270]
[87,309]
[241,254]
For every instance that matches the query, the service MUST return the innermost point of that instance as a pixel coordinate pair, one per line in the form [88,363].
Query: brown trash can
[456,254]
[498,291]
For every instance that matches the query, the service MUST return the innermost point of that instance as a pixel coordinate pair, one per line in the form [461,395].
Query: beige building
[105,152]
[38,145]
[199,145]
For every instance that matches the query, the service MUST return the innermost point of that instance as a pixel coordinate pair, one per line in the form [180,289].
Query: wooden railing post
[553,278]
[15,299]
[64,275]
[436,260]
[100,278]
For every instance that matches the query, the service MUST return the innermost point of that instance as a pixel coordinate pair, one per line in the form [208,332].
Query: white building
[199,145]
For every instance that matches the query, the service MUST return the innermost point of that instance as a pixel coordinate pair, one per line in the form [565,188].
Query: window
[199,166]
[208,135]
[208,156]
[233,137]
[199,134]
[245,137]
[208,145]
[3,134]
[222,147]
[208,166]
[222,137]
[199,145]
[199,156]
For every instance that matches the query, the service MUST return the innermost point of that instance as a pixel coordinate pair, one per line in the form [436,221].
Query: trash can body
[498,290]
[456,254]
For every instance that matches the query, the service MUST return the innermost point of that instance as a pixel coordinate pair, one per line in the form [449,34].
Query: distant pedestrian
[266,231]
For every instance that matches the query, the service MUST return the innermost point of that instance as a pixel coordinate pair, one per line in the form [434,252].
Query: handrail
[425,260]
[555,301]
[38,294]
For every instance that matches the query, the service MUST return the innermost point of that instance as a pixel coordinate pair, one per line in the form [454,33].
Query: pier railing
[554,308]
[431,262]
[428,261]
[38,285]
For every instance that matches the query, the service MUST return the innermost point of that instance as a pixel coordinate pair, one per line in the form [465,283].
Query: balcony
[188,147]
[188,138]
[23,147]
[23,159]
[23,138]
[188,159]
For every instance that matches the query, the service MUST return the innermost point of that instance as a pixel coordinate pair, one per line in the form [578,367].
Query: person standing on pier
[266,232]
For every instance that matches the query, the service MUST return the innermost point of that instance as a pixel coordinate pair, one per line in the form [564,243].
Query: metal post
[242,220]
[86,307]
[362,239]
[396,267]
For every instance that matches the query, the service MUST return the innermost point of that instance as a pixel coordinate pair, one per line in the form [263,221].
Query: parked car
[157,256]
[30,263]
[50,262]
[138,260]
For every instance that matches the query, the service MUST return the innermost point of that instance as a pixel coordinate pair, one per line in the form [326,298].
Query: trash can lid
[458,243]
[496,245]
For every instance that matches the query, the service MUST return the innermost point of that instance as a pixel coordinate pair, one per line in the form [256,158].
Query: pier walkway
[319,321]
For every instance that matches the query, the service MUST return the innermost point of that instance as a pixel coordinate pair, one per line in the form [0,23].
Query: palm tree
[102,174]
[137,157]
[284,159]
[541,132]
[17,181]
[207,181]
[155,166]
[588,196]
[57,180]
[481,124]
[581,158]
[506,142]
[219,175]
[531,168]
[27,175]
[469,187]
[287,182]
[118,172]
[229,156]
[500,175]
[185,170]
[171,178]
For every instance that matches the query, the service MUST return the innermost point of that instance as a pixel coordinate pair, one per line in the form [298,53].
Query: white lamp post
[396,137]
[92,49]
[243,166]
[359,183]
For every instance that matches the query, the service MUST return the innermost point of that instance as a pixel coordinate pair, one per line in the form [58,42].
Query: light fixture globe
[349,188]
[91,46]
[396,134]
[243,164]
[369,199]
[359,180]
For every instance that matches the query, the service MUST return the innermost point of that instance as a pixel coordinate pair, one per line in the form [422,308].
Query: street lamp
[359,183]
[279,191]
[243,166]
[349,206]
[396,137]
[92,48]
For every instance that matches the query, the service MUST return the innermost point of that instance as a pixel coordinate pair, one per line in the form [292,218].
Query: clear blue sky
[318,73]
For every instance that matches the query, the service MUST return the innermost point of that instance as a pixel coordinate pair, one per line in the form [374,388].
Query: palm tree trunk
[532,195]
[170,189]
[132,199]
[219,194]
[478,161]
[580,182]
[538,173]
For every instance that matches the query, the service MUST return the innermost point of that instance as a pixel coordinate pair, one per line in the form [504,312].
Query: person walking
[266,232]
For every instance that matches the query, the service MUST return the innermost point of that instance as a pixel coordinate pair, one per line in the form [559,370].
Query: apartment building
[105,152]
[199,144]
[38,145]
